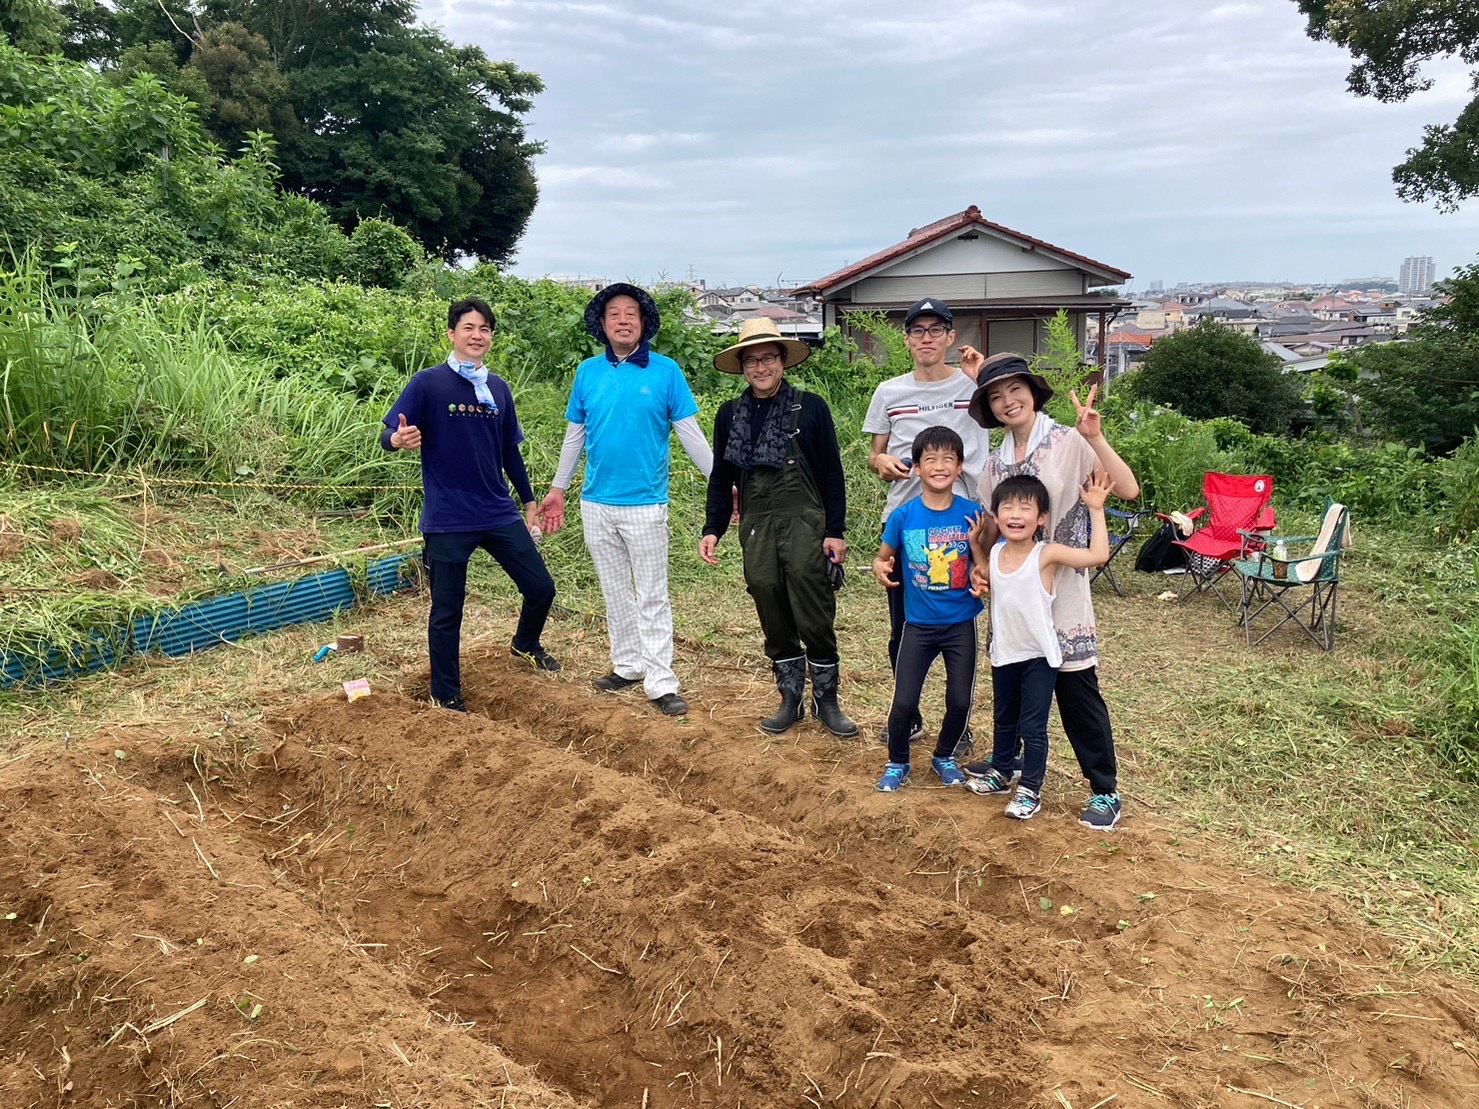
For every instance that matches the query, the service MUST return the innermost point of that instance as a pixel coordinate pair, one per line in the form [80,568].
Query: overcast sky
[763,140]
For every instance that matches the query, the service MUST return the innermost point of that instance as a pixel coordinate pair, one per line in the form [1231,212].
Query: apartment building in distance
[1416,278]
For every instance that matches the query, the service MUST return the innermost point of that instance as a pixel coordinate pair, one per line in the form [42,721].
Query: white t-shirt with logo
[904,406]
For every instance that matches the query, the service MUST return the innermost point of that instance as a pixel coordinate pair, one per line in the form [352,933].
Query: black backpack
[1160,552]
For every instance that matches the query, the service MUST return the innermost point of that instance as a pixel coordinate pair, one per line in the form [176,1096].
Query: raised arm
[1090,427]
[1094,493]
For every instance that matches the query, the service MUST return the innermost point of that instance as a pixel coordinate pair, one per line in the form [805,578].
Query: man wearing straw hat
[624,405]
[778,445]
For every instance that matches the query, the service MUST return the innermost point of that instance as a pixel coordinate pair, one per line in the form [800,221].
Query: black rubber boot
[824,701]
[790,679]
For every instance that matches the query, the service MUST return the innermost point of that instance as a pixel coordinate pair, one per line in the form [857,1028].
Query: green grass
[84,559]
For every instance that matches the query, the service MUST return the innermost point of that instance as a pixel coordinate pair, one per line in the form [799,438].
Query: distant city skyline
[1176,142]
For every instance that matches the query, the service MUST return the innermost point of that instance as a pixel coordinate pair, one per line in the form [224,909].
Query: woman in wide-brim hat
[1011,396]
[778,446]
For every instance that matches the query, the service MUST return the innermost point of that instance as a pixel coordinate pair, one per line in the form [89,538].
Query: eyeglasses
[934,331]
[755,361]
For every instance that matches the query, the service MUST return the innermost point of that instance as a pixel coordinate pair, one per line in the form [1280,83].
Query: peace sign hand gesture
[1089,425]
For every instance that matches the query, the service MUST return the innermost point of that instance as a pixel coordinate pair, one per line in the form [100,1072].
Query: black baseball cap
[930,306]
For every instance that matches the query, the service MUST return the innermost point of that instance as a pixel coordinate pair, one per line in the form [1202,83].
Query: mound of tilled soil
[564,898]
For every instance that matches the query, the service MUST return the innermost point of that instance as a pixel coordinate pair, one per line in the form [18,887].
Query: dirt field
[565,899]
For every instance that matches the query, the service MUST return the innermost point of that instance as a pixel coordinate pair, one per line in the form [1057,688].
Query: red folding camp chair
[1238,515]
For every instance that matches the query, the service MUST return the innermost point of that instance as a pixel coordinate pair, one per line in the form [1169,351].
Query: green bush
[337,335]
[1211,370]
[381,255]
[1168,453]
[1458,485]
[1454,721]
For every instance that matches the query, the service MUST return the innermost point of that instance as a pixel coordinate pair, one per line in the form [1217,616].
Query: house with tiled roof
[1002,285]
[1331,308]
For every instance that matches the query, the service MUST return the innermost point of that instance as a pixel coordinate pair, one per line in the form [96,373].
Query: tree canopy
[1425,391]
[108,183]
[1390,40]
[1210,370]
[373,115]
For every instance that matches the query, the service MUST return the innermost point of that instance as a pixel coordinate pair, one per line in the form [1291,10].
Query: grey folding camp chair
[1302,588]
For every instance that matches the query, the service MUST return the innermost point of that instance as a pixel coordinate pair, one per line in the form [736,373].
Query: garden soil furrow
[563,898]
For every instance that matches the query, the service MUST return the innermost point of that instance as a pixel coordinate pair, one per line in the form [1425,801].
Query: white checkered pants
[629,548]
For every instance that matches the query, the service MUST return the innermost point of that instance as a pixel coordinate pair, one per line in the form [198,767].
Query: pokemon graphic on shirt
[938,558]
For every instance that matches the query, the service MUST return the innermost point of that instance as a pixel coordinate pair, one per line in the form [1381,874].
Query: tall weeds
[81,389]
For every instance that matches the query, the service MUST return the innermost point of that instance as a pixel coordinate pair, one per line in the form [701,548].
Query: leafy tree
[1425,391]
[32,25]
[1212,370]
[103,180]
[245,91]
[374,116]
[1390,41]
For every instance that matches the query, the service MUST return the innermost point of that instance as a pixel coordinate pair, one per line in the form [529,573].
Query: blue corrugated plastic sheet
[392,573]
[208,623]
[91,654]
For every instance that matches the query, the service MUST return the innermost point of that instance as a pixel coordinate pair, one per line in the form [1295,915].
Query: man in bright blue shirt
[461,418]
[624,405]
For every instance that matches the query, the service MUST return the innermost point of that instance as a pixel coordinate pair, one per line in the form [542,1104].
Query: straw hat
[755,333]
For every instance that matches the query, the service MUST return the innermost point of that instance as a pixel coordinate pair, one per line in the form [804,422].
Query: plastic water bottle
[1281,550]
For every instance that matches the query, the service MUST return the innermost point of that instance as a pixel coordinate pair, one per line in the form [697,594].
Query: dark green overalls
[782,525]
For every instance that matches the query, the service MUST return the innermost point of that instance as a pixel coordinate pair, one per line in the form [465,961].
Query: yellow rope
[142,479]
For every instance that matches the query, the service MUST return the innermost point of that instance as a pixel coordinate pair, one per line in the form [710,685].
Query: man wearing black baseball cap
[933,393]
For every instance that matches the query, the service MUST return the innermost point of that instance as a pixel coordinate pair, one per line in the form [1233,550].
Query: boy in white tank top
[1025,652]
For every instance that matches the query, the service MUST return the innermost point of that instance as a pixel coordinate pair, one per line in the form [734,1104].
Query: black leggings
[1085,719]
[920,646]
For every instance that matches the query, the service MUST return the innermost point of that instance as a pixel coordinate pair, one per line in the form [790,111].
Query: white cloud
[1172,140]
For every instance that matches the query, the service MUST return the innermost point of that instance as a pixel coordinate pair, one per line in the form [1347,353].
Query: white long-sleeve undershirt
[690,437]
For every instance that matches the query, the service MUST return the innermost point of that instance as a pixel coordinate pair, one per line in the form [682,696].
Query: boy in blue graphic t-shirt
[931,533]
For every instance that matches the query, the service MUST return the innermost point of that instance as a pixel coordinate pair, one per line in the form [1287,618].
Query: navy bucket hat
[997,367]
[651,321]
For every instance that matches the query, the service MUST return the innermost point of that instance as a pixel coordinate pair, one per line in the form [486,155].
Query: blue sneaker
[1024,804]
[986,780]
[949,772]
[895,777]
[1102,812]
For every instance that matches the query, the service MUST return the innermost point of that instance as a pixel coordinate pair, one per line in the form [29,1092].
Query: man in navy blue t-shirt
[461,418]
